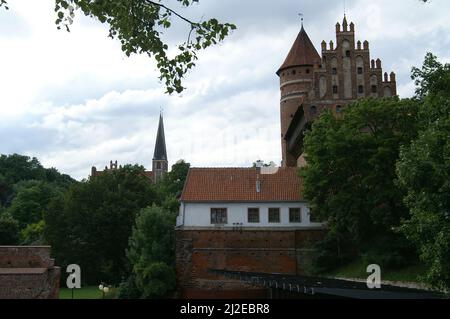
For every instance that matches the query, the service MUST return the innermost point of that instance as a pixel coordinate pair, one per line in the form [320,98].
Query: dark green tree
[31,201]
[424,172]
[349,180]
[170,187]
[91,224]
[140,24]
[152,252]
[9,230]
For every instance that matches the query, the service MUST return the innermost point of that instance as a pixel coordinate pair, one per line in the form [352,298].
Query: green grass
[89,292]
[357,269]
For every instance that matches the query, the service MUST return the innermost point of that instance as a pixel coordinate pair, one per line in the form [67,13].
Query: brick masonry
[268,251]
[28,272]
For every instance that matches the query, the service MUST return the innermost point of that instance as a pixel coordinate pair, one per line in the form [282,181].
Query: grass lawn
[357,269]
[89,292]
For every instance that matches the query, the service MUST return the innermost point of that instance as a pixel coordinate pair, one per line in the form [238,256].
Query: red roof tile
[239,185]
[302,52]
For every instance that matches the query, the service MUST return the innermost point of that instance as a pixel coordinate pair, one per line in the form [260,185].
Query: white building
[250,198]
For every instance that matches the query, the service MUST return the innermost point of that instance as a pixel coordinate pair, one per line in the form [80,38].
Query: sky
[74,100]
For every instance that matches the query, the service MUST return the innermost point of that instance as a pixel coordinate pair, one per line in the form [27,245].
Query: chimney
[258,185]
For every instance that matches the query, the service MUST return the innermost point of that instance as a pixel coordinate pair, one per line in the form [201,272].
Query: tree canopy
[91,223]
[349,179]
[424,172]
[139,25]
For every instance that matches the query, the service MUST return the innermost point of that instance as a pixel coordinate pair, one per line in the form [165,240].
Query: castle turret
[160,163]
[296,77]
[311,84]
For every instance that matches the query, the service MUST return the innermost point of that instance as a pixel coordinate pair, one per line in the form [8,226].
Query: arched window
[338,109]
[313,109]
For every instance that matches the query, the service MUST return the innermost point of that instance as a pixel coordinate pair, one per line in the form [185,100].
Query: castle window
[218,215]
[338,109]
[374,89]
[158,165]
[253,215]
[360,70]
[313,109]
[274,215]
[307,71]
[335,89]
[295,215]
[293,72]
[360,89]
[334,71]
[347,53]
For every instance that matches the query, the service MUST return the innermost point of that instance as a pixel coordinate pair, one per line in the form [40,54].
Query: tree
[9,230]
[17,168]
[170,187]
[152,252]
[31,201]
[140,24]
[91,223]
[424,172]
[349,179]
[33,234]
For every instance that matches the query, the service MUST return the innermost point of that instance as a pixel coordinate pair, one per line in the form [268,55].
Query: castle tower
[160,163]
[296,79]
[311,84]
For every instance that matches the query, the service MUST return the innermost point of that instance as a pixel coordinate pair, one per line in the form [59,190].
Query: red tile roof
[302,52]
[239,185]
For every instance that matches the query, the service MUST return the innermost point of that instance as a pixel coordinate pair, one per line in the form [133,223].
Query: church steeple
[160,163]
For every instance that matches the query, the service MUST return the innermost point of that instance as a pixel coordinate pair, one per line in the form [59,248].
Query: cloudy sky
[74,100]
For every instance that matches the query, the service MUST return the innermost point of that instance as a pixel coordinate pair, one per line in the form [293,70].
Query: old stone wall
[28,272]
[267,251]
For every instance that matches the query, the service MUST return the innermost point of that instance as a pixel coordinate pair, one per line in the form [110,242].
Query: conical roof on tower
[302,53]
[160,145]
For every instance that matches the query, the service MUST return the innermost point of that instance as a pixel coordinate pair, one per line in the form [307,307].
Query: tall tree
[139,26]
[152,252]
[90,225]
[424,172]
[349,179]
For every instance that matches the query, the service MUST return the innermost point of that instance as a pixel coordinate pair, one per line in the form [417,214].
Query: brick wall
[268,251]
[28,272]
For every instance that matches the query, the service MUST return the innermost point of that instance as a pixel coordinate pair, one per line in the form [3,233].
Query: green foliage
[33,234]
[140,24]
[31,201]
[349,179]
[152,252]
[18,168]
[128,289]
[9,230]
[424,172]
[90,225]
[173,182]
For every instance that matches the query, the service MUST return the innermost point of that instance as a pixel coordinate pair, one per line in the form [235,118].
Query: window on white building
[218,215]
[274,215]
[295,215]
[253,215]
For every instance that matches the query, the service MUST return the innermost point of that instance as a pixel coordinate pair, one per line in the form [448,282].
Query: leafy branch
[139,25]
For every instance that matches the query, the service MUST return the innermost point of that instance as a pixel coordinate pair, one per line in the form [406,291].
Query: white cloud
[74,100]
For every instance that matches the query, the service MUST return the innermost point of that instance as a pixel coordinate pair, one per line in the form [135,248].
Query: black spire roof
[160,145]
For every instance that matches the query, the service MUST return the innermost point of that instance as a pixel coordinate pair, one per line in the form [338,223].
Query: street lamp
[104,289]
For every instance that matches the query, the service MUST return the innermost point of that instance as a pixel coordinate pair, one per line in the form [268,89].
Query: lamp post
[104,289]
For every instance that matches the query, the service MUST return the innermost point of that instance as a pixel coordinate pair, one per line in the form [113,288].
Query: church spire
[160,145]
[160,163]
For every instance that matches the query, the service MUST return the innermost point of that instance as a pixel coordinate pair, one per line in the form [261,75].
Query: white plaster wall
[199,214]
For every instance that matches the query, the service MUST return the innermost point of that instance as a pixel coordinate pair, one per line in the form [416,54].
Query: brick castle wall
[28,272]
[267,251]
